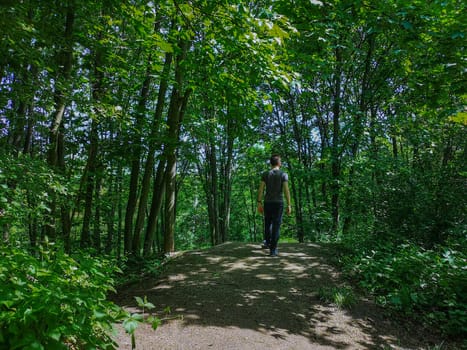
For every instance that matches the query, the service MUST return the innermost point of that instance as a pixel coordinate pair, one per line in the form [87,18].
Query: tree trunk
[15,138]
[213,192]
[136,150]
[170,180]
[119,187]
[89,187]
[178,104]
[394,147]
[97,212]
[55,156]
[323,132]
[226,189]
[32,224]
[358,128]
[176,113]
[65,60]
[92,166]
[297,199]
[110,216]
[335,166]
[253,197]
[27,145]
[66,227]
[149,166]
[156,204]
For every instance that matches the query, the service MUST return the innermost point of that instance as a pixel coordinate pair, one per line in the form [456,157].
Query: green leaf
[407,25]
[99,315]
[460,118]
[139,301]
[268,107]
[155,323]
[130,325]
[457,35]
[165,46]
[34,346]
[132,322]
[55,334]
[149,305]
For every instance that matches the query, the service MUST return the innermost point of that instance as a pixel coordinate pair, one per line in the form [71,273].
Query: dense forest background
[134,128]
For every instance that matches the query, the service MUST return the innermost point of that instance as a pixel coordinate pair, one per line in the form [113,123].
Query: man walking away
[275,182]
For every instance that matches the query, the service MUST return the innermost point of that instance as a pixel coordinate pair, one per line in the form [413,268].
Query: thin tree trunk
[394,147]
[205,176]
[89,188]
[298,210]
[15,138]
[27,145]
[178,104]
[32,73]
[32,224]
[227,182]
[323,131]
[110,217]
[149,166]
[136,162]
[65,59]
[97,212]
[156,204]
[91,165]
[214,191]
[335,166]
[170,179]
[55,156]
[66,227]
[250,215]
[119,187]
[358,128]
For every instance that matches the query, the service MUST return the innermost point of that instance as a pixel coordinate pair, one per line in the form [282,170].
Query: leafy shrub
[132,321]
[342,297]
[430,284]
[54,301]
[135,268]
[27,188]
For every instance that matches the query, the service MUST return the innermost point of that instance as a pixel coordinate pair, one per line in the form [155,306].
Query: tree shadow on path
[259,302]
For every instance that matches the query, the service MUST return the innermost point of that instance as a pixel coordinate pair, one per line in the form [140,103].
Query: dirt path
[234,296]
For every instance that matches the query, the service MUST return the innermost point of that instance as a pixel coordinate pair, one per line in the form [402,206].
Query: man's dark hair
[275,159]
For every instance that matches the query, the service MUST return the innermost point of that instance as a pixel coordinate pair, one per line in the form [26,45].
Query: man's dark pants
[272,222]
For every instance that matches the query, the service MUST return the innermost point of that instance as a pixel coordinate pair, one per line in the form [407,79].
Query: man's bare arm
[262,185]
[285,189]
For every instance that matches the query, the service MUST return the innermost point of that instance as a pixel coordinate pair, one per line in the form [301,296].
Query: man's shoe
[265,245]
[273,253]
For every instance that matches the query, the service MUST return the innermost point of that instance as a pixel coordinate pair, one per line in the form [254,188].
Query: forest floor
[235,296]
